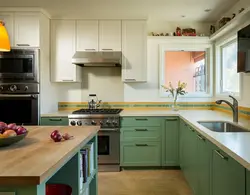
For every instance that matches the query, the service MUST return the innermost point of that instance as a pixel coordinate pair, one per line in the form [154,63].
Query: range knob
[93,122]
[13,88]
[73,123]
[79,123]
[108,122]
[26,88]
[101,123]
[1,88]
[115,122]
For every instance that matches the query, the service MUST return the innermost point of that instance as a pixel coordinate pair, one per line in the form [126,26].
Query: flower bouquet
[175,92]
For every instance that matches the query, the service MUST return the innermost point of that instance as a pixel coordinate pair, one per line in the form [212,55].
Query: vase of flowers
[175,92]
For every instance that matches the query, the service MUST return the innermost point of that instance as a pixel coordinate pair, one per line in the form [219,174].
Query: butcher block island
[30,165]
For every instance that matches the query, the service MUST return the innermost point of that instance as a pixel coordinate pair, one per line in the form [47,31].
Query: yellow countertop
[32,160]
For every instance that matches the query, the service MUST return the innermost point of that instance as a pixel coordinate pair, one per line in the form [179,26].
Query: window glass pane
[188,67]
[230,77]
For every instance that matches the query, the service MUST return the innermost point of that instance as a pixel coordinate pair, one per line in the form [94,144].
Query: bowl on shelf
[11,140]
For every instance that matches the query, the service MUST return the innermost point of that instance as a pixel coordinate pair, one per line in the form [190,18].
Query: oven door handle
[34,96]
[110,130]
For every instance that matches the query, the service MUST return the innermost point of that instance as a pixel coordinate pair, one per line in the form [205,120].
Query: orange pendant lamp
[4,38]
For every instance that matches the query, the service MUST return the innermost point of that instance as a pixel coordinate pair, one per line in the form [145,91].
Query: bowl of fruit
[11,133]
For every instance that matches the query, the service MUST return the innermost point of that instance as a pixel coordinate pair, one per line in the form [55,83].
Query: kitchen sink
[222,126]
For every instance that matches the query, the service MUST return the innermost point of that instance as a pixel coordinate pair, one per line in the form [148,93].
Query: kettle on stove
[93,101]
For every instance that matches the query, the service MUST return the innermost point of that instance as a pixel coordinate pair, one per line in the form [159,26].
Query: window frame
[219,68]
[190,46]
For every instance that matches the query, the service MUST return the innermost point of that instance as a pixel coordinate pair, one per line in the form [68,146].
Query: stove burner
[97,111]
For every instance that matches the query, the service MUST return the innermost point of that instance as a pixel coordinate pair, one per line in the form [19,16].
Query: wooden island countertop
[37,157]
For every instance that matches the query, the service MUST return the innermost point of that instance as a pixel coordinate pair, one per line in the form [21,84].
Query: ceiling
[170,10]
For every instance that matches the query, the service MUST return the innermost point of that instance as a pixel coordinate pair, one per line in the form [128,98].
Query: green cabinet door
[228,176]
[181,143]
[204,156]
[140,154]
[191,158]
[171,142]
[247,182]
[54,121]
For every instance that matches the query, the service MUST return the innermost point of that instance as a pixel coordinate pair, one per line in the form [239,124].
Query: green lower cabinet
[228,176]
[191,158]
[54,121]
[141,154]
[247,182]
[204,156]
[171,142]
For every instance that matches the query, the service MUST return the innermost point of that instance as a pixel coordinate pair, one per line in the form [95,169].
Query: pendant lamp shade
[4,38]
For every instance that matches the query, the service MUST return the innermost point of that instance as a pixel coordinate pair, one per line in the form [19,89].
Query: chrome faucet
[234,107]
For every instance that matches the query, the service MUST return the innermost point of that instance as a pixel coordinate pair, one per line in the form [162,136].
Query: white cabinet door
[8,19]
[134,49]
[63,39]
[110,35]
[87,35]
[26,29]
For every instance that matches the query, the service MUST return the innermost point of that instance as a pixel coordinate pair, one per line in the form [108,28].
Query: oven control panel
[105,122]
[17,88]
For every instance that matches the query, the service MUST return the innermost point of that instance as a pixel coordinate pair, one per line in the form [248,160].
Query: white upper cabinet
[63,44]
[7,18]
[134,49]
[26,27]
[87,35]
[110,35]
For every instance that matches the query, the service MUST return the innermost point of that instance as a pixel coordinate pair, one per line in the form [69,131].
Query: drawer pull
[141,119]
[201,138]
[55,119]
[107,49]
[23,45]
[89,49]
[130,79]
[141,145]
[219,154]
[67,80]
[172,119]
[141,129]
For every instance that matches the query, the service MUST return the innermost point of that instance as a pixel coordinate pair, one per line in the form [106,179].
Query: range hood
[84,58]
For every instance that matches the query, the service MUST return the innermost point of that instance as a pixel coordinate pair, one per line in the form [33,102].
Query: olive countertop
[32,160]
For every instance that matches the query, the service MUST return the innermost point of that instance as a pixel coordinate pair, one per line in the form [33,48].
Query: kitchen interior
[152,97]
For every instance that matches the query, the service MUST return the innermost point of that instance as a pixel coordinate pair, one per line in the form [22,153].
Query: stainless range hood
[84,58]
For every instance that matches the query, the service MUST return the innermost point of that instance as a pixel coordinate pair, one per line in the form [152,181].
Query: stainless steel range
[108,136]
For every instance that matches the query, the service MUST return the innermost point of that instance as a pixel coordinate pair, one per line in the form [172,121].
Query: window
[228,76]
[188,67]
[190,62]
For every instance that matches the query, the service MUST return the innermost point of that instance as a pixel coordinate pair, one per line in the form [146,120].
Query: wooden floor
[155,182]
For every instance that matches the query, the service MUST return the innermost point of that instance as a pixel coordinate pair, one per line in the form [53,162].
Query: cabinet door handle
[141,145]
[67,80]
[201,138]
[219,154]
[141,129]
[55,119]
[89,49]
[191,129]
[107,49]
[141,119]
[23,45]
[130,79]
[171,119]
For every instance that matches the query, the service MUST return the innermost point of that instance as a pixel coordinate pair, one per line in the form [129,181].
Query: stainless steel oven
[19,103]
[109,149]
[19,65]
